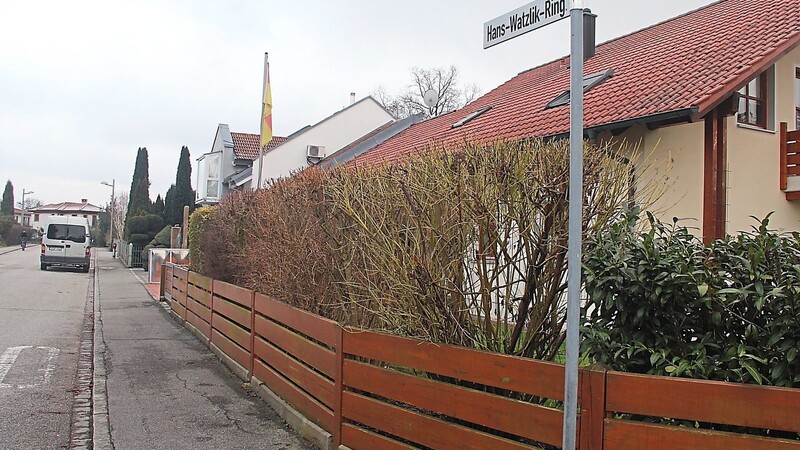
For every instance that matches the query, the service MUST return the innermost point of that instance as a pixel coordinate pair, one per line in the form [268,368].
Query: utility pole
[24,193]
[113,207]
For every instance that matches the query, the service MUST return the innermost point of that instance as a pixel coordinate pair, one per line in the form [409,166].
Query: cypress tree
[158,206]
[184,195]
[7,205]
[169,199]
[139,199]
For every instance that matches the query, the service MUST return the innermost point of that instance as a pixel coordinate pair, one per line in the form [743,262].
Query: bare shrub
[464,245]
[467,245]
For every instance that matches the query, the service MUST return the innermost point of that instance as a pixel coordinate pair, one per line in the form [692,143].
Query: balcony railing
[790,162]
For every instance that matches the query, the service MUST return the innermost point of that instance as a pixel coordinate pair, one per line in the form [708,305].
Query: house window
[753,102]
[212,180]
[797,97]
[35,217]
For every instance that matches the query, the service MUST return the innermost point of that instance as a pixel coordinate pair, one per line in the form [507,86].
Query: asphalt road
[41,314]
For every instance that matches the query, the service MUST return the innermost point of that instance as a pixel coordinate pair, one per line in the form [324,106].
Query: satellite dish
[430,97]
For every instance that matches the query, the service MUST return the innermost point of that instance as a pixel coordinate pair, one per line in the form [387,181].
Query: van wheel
[43,266]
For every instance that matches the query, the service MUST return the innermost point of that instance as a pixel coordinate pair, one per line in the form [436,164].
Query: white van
[66,242]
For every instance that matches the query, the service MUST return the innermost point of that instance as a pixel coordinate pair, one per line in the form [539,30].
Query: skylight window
[470,117]
[589,82]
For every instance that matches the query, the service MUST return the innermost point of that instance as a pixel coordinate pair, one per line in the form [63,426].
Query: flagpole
[261,119]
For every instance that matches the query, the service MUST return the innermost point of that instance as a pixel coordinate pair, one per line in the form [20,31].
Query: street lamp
[24,193]
[111,213]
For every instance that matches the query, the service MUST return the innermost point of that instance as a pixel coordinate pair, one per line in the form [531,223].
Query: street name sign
[523,19]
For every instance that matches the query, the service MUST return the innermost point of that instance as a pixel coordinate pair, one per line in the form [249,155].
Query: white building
[83,209]
[312,144]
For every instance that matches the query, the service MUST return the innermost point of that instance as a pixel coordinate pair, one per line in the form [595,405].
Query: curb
[297,421]
[101,429]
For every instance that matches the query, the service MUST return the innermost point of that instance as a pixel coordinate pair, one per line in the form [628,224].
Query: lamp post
[111,213]
[24,193]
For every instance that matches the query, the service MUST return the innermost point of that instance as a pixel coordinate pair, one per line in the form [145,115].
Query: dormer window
[589,82]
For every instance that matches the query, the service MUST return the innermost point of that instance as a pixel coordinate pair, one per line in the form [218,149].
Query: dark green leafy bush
[661,302]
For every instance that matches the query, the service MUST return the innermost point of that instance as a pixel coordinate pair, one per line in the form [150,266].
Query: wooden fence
[371,390]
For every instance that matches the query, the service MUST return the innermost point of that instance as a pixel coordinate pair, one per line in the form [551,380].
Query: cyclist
[23,239]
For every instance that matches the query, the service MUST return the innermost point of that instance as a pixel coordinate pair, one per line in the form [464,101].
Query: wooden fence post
[339,382]
[162,282]
[252,335]
[593,407]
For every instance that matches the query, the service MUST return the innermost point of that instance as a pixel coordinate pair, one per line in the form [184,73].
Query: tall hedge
[463,245]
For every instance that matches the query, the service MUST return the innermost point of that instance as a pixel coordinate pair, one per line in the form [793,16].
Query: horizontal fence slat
[231,330]
[500,371]
[181,273]
[418,428]
[630,435]
[492,411]
[356,437]
[230,348]
[232,311]
[704,401]
[307,405]
[793,135]
[315,384]
[319,328]
[233,293]
[199,295]
[178,308]
[793,170]
[199,309]
[310,352]
[200,281]
[202,326]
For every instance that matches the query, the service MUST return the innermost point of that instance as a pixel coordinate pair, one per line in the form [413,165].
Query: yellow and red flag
[266,111]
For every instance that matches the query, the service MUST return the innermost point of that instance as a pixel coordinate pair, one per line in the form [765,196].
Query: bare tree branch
[443,80]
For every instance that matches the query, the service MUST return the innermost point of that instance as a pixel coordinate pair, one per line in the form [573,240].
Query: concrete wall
[334,133]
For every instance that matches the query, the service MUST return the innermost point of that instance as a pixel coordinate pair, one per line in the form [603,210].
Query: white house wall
[334,133]
[671,158]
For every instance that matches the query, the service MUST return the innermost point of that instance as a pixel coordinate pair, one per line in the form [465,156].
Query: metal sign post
[508,26]
[575,224]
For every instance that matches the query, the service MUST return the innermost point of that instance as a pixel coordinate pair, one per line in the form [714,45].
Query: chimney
[352,97]
[84,200]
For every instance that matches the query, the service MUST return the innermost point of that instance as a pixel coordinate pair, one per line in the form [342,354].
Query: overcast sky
[83,84]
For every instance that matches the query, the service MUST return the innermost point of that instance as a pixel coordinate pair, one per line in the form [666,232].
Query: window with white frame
[212,175]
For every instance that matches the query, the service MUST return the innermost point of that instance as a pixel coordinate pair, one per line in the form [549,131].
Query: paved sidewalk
[164,388]
[11,248]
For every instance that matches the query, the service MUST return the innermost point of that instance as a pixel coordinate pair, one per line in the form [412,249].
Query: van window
[74,233]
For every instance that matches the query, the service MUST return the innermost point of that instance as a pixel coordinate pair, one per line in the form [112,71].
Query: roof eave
[689,114]
[743,78]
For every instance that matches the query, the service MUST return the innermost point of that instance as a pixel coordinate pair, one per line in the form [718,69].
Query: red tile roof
[246,145]
[693,61]
[67,207]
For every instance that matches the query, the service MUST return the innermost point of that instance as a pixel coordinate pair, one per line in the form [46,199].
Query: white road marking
[44,370]
[7,360]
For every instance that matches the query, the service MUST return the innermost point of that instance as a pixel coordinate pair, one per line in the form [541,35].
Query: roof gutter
[679,115]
